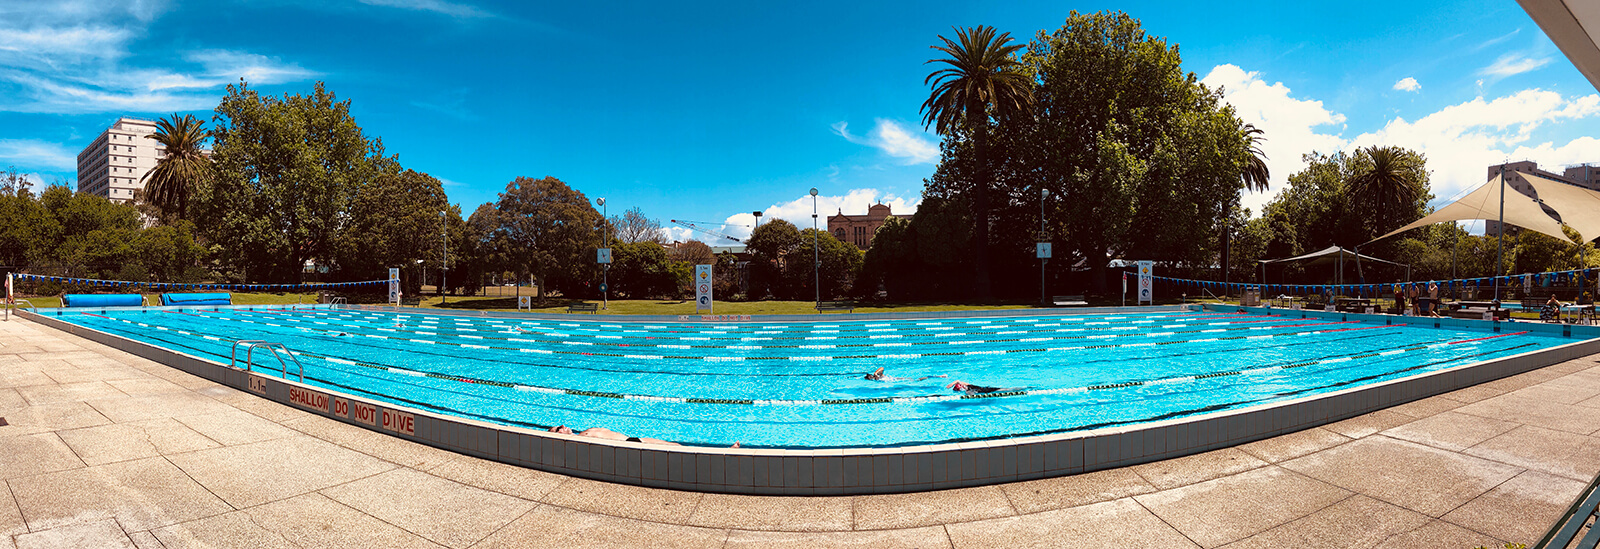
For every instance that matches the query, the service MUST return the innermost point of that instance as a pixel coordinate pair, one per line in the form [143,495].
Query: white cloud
[894,140]
[37,154]
[1291,124]
[1407,84]
[798,212]
[1462,140]
[70,57]
[436,6]
[1513,64]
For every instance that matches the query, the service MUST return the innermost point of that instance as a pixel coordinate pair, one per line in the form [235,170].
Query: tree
[641,270]
[1141,160]
[551,231]
[982,76]
[1387,187]
[693,252]
[771,247]
[633,227]
[286,171]
[1256,176]
[394,220]
[184,167]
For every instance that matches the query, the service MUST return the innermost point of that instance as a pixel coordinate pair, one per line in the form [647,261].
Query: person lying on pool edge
[878,375]
[602,432]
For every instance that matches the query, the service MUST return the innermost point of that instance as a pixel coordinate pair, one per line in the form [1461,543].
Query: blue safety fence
[126,286]
[1580,278]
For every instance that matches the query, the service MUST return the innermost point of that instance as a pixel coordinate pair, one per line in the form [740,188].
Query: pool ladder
[16,303]
[250,348]
[338,300]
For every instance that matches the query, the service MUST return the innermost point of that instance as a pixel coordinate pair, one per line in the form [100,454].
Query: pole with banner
[603,257]
[10,300]
[394,286]
[702,288]
[1146,292]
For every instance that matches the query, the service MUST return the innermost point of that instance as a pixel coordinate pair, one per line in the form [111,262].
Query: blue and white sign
[1146,290]
[394,285]
[1043,251]
[702,288]
[603,255]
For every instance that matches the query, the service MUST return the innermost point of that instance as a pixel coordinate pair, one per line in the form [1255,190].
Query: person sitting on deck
[878,375]
[964,387]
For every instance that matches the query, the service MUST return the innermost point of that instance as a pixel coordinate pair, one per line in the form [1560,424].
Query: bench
[1475,313]
[411,301]
[846,306]
[1069,301]
[583,307]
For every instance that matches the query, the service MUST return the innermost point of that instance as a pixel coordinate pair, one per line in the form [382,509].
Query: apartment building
[114,164]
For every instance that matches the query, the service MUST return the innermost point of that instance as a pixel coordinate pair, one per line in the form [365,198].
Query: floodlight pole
[444,247]
[816,258]
[1500,256]
[1043,192]
[605,269]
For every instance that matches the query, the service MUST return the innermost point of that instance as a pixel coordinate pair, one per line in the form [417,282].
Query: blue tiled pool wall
[863,471]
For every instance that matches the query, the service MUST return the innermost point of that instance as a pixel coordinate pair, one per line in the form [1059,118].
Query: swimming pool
[800,384]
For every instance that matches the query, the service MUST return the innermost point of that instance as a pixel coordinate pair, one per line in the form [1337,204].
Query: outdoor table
[1574,313]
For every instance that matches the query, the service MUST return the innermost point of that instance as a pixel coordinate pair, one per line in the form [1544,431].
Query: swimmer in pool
[963,387]
[879,376]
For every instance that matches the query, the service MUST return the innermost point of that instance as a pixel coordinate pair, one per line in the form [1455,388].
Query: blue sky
[709,111]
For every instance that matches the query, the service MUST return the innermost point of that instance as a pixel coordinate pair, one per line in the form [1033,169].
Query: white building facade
[114,165]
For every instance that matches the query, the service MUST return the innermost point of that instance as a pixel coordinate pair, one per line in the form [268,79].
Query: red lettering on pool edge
[308,399]
[365,413]
[341,407]
[399,422]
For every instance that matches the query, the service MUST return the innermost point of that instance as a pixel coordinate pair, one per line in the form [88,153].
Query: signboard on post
[394,286]
[1146,291]
[1043,251]
[603,255]
[524,302]
[702,288]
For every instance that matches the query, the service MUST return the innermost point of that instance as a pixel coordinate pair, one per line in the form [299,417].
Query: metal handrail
[8,306]
[249,356]
[336,300]
[1571,522]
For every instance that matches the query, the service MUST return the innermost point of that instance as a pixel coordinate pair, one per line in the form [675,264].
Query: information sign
[394,285]
[603,255]
[1043,251]
[702,288]
[1146,290]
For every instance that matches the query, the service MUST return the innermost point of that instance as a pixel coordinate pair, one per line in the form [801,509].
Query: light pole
[816,257]
[605,291]
[758,218]
[1043,193]
[444,248]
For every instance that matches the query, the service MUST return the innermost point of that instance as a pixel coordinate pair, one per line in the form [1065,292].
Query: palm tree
[1255,174]
[1256,178]
[1389,187]
[184,167]
[981,75]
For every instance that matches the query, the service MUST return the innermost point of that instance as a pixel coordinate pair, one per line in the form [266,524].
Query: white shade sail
[1579,207]
[1484,203]
[1328,254]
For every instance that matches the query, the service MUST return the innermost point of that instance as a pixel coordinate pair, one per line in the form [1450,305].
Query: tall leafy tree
[394,220]
[286,171]
[548,229]
[771,247]
[981,80]
[184,167]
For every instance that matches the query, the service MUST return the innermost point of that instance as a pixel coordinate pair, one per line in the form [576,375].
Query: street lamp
[816,258]
[605,295]
[758,218]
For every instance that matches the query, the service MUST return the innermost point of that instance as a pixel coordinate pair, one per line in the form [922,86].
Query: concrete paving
[105,449]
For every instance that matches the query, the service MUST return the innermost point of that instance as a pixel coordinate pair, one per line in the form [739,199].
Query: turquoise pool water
[800,384]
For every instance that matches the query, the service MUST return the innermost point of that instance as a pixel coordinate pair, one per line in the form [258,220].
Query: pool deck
[106,449]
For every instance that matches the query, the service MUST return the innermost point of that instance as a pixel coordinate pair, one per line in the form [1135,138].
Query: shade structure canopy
[1331,253]
[1484,203]
[1579,207]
